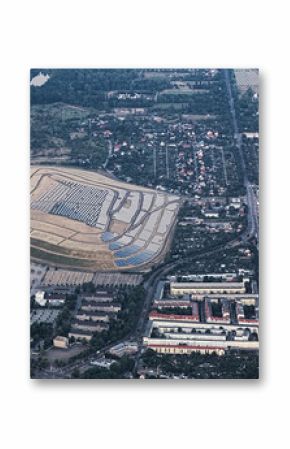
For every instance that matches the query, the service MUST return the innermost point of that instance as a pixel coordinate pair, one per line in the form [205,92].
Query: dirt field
[54,354]
[118,226]
[51,229]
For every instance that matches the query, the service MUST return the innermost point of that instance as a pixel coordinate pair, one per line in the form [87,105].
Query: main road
[253,227]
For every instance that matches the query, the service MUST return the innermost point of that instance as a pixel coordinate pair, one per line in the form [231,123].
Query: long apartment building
[171,340]
[89,325]
[194,316]
[206,288]
[218,348]
[93,306]
[99,296]
[94,316]
[186,349]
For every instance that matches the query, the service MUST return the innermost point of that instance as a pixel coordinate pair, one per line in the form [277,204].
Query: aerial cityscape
[144,216]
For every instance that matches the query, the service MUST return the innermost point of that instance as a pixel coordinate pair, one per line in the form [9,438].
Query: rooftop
[206,285]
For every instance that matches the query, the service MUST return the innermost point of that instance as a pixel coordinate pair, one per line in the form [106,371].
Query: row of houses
[94,314]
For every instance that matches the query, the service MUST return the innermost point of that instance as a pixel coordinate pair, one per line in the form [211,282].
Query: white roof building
[39,298]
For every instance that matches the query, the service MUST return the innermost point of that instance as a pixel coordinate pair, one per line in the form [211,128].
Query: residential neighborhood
[144,223]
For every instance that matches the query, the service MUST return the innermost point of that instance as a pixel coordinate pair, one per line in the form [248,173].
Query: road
[137,333]
[110,152]
[253,226]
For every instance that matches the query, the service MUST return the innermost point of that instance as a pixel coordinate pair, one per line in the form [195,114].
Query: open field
[88,221]
[247,78]
[53,128]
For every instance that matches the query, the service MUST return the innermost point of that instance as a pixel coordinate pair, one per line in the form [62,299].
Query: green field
[56,259]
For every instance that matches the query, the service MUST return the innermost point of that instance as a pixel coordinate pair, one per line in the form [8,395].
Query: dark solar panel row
[85,213]
[121,263]
[135,260]
[127,251]
[115,245]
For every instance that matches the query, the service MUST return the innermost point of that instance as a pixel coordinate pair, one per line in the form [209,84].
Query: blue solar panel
[115,245]
[138,259]
[75,201]
[121,263]
[127,251]
[106,236]
[135,260]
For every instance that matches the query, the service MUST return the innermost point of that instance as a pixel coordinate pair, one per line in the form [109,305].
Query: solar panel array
[145,233]
[135,260]
[127,251]
[72,200]
[145,240]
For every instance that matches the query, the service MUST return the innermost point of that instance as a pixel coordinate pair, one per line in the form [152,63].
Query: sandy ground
[52,229]
[118,226]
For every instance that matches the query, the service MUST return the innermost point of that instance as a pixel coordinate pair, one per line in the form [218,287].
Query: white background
[76,414]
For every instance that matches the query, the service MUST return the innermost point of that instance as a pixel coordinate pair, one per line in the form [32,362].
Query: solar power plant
[75,201]
[90,222]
